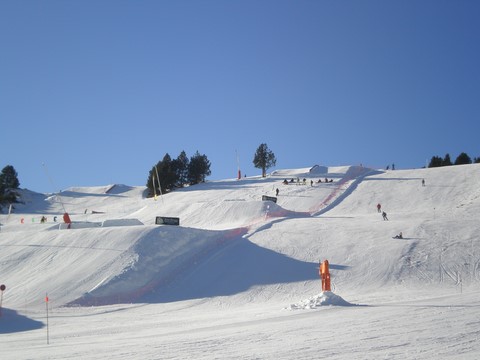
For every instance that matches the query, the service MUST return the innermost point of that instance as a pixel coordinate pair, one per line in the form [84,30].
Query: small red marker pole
[46,305]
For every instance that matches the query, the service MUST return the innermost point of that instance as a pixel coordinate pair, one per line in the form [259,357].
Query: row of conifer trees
[462,159]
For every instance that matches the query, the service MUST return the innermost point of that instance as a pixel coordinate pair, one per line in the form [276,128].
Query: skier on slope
[384,215]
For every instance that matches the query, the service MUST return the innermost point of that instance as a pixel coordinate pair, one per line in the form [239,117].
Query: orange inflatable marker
[325,276]
[66,219]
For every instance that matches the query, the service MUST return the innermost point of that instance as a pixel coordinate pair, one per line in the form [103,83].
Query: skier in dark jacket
[384,214]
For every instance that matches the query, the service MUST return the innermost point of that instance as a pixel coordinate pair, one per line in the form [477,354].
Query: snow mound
[317,169]
[325,298]
[121,222]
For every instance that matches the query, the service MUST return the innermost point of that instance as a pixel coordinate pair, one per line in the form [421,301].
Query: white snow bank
[77,225]
[317,169]
[325,298]
[121,222]
[96,224]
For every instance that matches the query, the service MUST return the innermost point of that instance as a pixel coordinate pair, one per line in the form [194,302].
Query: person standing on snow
[379,207]
[384,215]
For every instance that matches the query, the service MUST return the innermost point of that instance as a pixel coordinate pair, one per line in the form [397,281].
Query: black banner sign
[164,220]
[269,198]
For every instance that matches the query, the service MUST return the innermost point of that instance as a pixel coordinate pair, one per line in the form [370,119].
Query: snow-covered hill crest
[239,277]
[317,214]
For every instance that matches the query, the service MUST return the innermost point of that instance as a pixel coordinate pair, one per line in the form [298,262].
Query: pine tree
[177,172]
[8,184]
[264,159]
[463,159]
[9,178]
[198,168]
[166,177]
[446,160]
[152,181]
[436,161]
[180,166]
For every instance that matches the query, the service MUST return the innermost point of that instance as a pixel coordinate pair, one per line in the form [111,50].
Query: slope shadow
[279,214]
[237,268]
[27,198]
[78,194]
[11,322]
[117,189]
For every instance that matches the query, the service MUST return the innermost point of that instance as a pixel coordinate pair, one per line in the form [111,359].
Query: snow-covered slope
[233,250]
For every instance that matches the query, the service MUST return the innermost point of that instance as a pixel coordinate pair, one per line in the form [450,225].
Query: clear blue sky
[100,90]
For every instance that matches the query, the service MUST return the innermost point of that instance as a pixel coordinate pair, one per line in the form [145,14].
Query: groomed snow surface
[238,279]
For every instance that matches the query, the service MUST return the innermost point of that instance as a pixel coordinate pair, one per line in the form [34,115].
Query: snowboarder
[423,182]
[399,236]
[277,191]
[384,215]
[379,207]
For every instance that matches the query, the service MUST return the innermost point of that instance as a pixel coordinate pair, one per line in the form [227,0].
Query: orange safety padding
[66,219]
[325,275]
